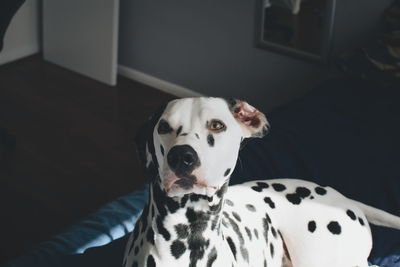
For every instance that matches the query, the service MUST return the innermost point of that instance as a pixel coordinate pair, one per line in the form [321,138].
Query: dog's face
[196,143]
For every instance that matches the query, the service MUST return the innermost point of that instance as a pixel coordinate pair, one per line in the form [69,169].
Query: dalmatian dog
[192,218]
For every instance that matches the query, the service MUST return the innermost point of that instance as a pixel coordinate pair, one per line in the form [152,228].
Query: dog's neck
[172,225]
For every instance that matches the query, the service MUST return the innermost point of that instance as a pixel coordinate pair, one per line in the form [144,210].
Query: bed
[345,134]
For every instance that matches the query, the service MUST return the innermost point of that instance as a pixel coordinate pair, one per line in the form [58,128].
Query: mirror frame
[327,38]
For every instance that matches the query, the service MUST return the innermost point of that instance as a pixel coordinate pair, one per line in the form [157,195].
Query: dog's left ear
[145,144]
[253,122]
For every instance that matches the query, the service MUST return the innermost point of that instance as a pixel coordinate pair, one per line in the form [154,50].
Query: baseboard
[157,83]
[9,55]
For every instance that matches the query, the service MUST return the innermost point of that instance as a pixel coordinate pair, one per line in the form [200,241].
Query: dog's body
[193,219]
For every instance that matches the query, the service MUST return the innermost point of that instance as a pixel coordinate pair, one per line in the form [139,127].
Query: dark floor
[74,147]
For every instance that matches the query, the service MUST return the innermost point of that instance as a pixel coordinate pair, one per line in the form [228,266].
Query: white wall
[23,35]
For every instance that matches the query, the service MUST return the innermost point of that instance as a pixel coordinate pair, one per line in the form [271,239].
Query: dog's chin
[178,192]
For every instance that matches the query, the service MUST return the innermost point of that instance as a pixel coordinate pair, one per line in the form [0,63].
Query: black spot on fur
[162,150]
[136,250]
[271,249]
[197,244]
[229,202]
[134,264]
[212,257]
[361,221]
[214,223]
[320,190]
[161,229]
[184,201]
[232,246]
[312,226]
[303,192]
[245,253]
[197,136]
[210,140]
[179,130]
[197,197]
[256,188]
[266,228]
[182,230]
[351,214]
[334,228]
[177,248]
[231,102]
[294,198]
[262,185]
[278,187]
[135,236]
[150,235]
[268,218]
[255,233]
[222,190]
[163,127]
[184,134]
[269,201]
[235,227]
[144,216]
[227,172]
[311,197]
[236,216]
[150,261]
[197,216]
[273,231]
[172,205]
[214,209]
[239,234]
[163,202]
[250,207]
[248,233]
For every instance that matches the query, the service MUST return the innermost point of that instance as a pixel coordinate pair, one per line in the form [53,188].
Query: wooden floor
[74,149]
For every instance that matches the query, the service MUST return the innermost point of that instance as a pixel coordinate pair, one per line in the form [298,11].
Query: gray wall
[23,35]
[357,21]
[208,46]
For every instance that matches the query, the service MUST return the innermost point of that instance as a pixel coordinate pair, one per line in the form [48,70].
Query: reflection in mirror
[301,27]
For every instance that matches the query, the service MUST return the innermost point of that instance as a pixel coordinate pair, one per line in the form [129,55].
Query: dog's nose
[182,159]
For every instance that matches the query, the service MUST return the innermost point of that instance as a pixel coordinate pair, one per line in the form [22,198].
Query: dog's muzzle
[182,160]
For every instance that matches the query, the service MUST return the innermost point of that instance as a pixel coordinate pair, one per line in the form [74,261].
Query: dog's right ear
[145,145]
[252,121]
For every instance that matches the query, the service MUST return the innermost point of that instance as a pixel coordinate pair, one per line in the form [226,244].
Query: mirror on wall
[301,28]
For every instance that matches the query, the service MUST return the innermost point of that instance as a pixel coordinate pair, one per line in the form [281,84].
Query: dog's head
[192,144]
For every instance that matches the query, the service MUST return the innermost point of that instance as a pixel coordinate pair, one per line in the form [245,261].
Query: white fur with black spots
[189,150]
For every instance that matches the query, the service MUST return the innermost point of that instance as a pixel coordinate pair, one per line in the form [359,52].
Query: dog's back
[319,226]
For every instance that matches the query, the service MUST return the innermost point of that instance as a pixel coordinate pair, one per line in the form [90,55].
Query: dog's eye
[216,126]
[163,127]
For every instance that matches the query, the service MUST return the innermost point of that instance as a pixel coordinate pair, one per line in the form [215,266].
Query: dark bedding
[344,134]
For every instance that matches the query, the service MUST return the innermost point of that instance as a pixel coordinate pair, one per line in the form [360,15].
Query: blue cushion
[111,224]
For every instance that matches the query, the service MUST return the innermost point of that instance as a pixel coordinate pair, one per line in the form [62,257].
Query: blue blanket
[344,134]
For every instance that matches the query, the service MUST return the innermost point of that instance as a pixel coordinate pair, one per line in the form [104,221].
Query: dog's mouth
[186,184]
